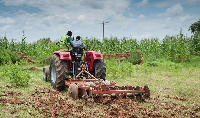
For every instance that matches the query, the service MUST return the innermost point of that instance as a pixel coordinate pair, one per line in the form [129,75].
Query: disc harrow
[97,89]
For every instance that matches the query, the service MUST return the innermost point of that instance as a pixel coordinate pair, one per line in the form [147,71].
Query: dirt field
[51,103]
[41,100]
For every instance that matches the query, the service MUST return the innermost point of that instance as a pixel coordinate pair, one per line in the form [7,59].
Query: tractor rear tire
[58,72]
[73,91]
[100,69]
[46,74]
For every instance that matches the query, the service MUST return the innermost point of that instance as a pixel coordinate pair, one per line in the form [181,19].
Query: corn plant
[4,42]
[150,48]
[177,48]
[195,44]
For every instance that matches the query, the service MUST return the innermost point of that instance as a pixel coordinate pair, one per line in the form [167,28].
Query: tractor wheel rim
[53,74]
[44,76]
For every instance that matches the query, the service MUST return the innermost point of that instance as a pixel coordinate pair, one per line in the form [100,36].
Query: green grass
[21,110]
[163,77]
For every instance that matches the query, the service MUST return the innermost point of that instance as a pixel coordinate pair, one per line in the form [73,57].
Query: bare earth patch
[52,103]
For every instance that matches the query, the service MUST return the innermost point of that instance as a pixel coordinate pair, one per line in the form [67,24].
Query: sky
[137,19]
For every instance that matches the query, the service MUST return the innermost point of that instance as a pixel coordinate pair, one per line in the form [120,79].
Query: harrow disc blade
[98,98]
[138,96]
[73,91]
[82,94]
[147,92]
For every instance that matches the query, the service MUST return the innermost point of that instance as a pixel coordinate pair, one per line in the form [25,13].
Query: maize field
[176,48]
[170,69]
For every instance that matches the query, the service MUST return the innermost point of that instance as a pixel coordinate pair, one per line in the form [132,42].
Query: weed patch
[18,76]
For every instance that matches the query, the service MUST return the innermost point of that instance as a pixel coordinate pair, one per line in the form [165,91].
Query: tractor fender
[64,55]
[90,57]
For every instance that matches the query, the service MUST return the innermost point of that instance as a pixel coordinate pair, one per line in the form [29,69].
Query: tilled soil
[52,103]
[25,57]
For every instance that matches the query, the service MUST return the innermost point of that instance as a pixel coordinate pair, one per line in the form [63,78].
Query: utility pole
[103,27]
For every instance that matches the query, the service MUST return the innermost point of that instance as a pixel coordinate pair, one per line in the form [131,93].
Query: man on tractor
[77,48]
[65,42]
[77,43]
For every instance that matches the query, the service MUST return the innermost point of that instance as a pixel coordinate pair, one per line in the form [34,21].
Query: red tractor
[65,65]
[86,77]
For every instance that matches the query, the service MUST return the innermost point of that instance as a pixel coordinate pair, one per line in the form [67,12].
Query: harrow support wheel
[73,91]
[46,74]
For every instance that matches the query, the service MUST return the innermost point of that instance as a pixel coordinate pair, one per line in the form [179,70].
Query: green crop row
[177,48]
[38,51]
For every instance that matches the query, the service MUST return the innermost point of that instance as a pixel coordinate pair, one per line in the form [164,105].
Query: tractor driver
[66,42]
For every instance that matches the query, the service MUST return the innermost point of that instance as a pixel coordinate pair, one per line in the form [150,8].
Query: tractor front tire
[100,69]
[46,74]
[58,72]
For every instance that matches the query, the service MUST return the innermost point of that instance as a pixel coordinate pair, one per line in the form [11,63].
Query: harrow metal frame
[100,89]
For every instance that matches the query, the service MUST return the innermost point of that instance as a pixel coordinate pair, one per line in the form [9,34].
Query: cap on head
[78,38]
[69,33]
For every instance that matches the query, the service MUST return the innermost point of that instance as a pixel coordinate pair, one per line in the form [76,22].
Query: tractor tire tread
[100,69]
[61,72]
